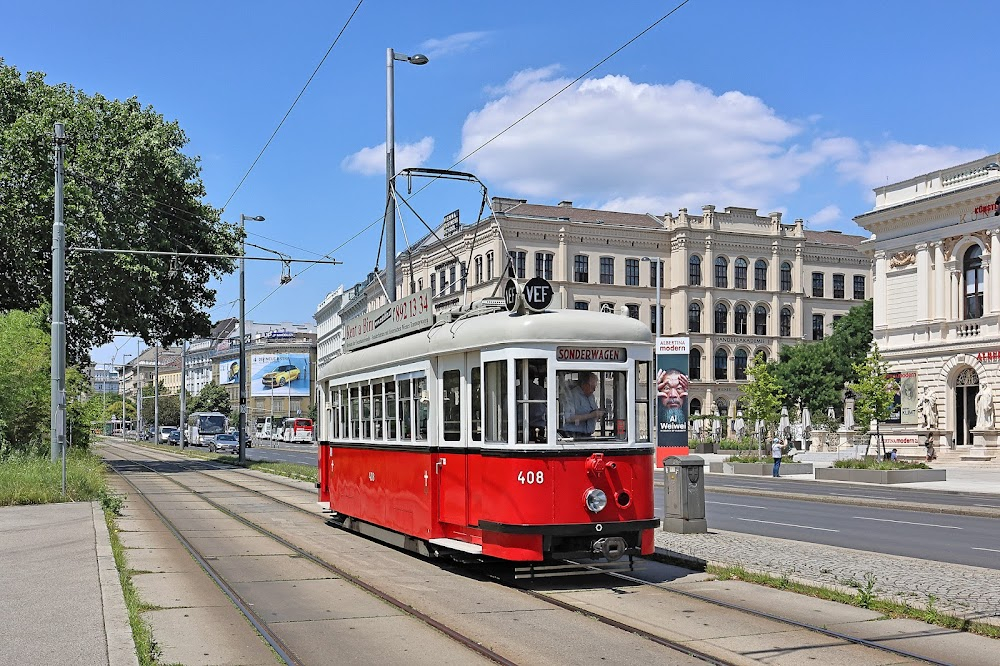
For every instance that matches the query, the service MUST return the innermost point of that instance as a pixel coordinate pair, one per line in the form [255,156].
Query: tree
[24,380]
[211,398]
[873,393]
[128,185]
[762,395]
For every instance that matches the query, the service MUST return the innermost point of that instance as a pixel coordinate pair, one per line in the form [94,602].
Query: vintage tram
[491,434]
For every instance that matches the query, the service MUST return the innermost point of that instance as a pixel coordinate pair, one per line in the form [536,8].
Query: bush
[754,458]
[876,463]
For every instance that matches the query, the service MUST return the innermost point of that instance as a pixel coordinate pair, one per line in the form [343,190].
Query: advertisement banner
[904,397]
[279,375]
[229,371]
[672,356]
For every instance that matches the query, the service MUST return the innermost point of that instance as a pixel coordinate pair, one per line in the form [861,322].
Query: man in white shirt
[580,415]
[776,451]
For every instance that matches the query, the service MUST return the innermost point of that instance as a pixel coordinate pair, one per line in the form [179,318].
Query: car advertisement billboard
[229,371]
[279,375]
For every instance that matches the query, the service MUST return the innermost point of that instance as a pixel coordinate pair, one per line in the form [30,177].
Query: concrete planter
[879,475]
[715,467]
[765,469]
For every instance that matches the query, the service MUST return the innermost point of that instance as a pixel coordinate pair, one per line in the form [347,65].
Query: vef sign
[537,294]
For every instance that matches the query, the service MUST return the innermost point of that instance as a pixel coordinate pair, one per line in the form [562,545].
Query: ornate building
[937,302]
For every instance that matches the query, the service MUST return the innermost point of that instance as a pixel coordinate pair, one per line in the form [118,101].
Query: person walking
[776,451]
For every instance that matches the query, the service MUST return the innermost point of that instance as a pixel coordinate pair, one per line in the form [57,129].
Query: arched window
[723,406]
[694,364]
[694,271]
[740,277]
[972,267]
[694,318]
[740,319]
[760,320]
[760,275]
[721,318]
[760,356]
[721,364]
[786,276]
[740,363]
[786,322]
[721,273]
[695,405]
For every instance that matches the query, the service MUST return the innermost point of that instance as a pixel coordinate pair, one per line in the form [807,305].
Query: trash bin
[684,495]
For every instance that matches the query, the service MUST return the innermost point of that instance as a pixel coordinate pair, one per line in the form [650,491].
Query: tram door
[451,467]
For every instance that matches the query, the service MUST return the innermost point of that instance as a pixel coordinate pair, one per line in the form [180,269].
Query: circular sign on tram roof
[511,295]
[537,294]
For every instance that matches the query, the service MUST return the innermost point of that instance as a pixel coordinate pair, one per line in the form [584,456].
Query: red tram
[524,437]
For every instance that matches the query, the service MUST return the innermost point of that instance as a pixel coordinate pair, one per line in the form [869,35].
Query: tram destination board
[407,315]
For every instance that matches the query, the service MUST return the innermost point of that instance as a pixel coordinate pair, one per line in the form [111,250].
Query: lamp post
[390,165]
[659,287]
[241,429]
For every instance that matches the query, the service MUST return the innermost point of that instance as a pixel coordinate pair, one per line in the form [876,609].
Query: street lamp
[390,165]
[243,353]
[659,287]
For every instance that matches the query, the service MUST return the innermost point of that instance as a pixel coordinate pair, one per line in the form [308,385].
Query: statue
[984,408]
[927,410]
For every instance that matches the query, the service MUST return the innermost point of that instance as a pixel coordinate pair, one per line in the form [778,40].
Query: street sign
[511,295]
[537,294]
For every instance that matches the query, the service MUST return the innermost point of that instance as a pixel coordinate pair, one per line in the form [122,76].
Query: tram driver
[580,412]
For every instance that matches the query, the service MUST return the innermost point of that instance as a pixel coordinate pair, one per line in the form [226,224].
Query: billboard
[279,375]
[229,371]
[904,397]
[672,357]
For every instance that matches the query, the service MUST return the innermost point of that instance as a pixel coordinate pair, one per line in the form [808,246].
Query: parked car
[281,375]
[225,442]
[174,438]
[165,431]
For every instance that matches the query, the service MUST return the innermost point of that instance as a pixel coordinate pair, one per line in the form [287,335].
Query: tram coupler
[612,548]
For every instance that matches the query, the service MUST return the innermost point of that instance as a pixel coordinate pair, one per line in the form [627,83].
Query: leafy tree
[24,380]
[129,186]
[763,395]
[211,398]
[873,393]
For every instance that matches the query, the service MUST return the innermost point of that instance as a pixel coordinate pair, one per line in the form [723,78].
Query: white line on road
[906,522]
[864,496]
[992,550]
[805,527]
[989,506]
[748,506]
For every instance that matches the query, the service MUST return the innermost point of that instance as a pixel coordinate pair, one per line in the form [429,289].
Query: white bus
[204,426]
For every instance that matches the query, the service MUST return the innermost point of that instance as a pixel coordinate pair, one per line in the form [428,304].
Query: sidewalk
[63,602]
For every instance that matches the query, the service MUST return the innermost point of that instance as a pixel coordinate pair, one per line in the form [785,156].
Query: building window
[420,284]
[581,268]
[607,270]
[721,318]
[608,308]
[818,285]
[817,327]
[760,320]
[443,278]
[740,278]
[452,274]
[859,287]
[786,323]
[838,286]
[581,305]
[721,273]
[433,284]
[694,364]
[489,265]
[972,267]
[740,364]
[721,365]
[760,275]
[543,265]
[516,266]
[786,276]
[658,264]
[760,356]
[479,269]
[694,318]
[633,310]
[740,319]
[694,271]
[836,318]
[465,274]
[632,272]
[652,319]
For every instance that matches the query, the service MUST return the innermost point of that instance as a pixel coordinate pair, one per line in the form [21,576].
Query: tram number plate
[531,477]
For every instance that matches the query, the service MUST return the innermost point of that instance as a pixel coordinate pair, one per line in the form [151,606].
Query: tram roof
[499,329]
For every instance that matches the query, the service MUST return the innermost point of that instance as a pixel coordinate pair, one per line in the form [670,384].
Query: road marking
[805,527]
[864,496]
[989,506]
[748,506]
[992,550]
[906,522]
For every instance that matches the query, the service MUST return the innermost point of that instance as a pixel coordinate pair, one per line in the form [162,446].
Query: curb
[121,645]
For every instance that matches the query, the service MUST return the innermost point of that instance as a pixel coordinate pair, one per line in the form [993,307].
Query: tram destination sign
[614,354]
[407,315]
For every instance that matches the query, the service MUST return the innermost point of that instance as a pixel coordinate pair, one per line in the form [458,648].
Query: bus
[296,430]
[204,426]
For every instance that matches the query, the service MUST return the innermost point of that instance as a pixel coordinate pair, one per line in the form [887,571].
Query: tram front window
[592,405]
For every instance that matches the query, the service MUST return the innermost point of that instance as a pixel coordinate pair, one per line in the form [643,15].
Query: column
[940,281]
[994,276]
[924,282]
[878,290]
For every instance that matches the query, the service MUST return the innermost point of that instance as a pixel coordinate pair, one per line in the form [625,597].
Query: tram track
[679,646]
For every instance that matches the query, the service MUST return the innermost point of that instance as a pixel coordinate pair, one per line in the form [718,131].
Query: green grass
[876,463]
[295,471]
[26,479]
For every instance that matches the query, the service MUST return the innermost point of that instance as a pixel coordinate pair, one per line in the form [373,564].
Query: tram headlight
[596,500]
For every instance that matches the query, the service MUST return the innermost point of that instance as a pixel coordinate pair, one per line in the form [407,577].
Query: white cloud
[452,44]
[371,161]
[824,216]
[895,162]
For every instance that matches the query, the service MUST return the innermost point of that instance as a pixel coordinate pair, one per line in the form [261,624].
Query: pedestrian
[892,455]
[929,445]
[776,450]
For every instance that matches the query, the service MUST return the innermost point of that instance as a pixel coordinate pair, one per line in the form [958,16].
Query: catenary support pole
[182,426]
[156,393]
[57,409]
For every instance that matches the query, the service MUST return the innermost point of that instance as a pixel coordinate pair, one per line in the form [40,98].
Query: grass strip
[289,470]
[29,479]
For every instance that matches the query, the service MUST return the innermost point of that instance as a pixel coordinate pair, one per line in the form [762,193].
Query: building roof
[565,210]
[833,238]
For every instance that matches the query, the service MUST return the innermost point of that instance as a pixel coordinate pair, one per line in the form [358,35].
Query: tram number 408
[531,478]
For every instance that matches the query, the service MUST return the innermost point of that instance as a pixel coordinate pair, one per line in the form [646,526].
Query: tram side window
[422,400]
[642,401]
[477,404]
[366,411]
[377,429]
[390,409]
[496,401]
[451,382]
[592,405]
[531,400]
[343,432]
[405,410]
[355,412]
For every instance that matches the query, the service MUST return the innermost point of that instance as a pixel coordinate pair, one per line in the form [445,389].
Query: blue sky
[801,107]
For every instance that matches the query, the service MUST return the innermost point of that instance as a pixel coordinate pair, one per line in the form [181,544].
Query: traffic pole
[57,408]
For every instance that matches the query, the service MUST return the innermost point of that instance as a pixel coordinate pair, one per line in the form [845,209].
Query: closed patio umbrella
[784,425]
[739,425]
